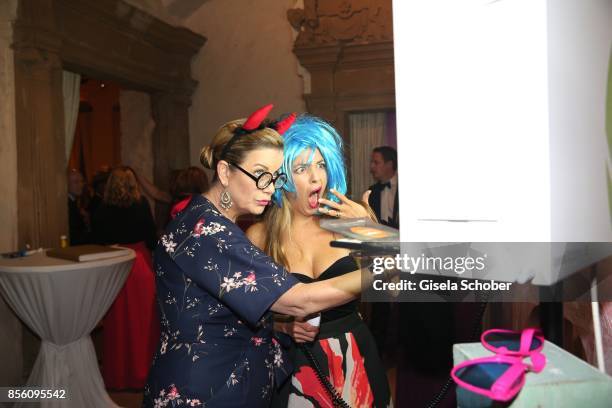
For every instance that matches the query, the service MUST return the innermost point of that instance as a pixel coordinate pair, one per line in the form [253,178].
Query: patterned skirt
[346,354]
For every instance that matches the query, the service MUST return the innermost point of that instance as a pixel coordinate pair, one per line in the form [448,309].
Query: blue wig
[310,133]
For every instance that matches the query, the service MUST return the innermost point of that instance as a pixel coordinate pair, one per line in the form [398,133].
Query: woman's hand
[346,208]
[300,332]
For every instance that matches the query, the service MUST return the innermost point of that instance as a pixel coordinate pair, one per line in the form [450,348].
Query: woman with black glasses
[216,289]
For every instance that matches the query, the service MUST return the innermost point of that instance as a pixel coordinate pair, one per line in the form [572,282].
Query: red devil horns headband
[282,126]
[256,122]
[257,118]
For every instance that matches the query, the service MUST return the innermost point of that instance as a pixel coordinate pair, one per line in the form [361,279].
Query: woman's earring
[226,200]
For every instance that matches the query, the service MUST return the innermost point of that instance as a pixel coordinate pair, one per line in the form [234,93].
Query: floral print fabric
[214,288]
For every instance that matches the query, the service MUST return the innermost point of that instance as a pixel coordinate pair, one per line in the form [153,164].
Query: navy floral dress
[215,289]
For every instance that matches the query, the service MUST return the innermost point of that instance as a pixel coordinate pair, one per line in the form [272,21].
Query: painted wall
[239,70]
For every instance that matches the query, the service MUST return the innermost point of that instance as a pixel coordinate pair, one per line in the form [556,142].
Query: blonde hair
[277,227]
[244,143]
[122,188]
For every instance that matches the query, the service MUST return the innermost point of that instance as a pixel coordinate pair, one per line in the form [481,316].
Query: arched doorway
[104,39]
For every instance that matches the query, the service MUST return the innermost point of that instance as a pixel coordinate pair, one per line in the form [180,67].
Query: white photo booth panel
[501,115]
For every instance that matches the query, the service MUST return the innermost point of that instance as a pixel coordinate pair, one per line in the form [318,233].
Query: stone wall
[246,63]
[10,326]
[136,129]
[8,141]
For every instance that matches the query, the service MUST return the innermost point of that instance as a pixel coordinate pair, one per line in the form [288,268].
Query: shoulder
[201,220]
[256,233]
[375,193]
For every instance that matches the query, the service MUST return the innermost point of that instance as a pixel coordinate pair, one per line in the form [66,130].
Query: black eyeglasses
[265,179]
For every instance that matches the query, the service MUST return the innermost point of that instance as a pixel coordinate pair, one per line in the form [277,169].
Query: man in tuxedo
[384,202]
[384,197]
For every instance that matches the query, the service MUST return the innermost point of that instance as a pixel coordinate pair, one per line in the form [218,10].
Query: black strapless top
[343,265]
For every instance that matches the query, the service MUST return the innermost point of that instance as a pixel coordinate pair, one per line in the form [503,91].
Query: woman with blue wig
[337,363]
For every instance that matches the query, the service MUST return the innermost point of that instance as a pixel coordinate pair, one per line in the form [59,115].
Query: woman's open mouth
[313,198]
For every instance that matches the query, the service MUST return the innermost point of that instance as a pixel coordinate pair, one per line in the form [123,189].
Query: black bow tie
[385,185]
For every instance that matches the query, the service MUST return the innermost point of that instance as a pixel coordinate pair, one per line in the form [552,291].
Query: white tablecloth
[62,301]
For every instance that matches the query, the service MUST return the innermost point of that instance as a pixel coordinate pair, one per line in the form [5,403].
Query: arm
[149,188]
[204,254]
[304,299]
[152,191]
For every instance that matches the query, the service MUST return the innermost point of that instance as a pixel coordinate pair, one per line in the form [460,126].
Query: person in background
[78,217]
[152,191]
[98,186]
[385,204]
[186,182]
[125,215]
[131,326]
[384,197]
[183,183]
